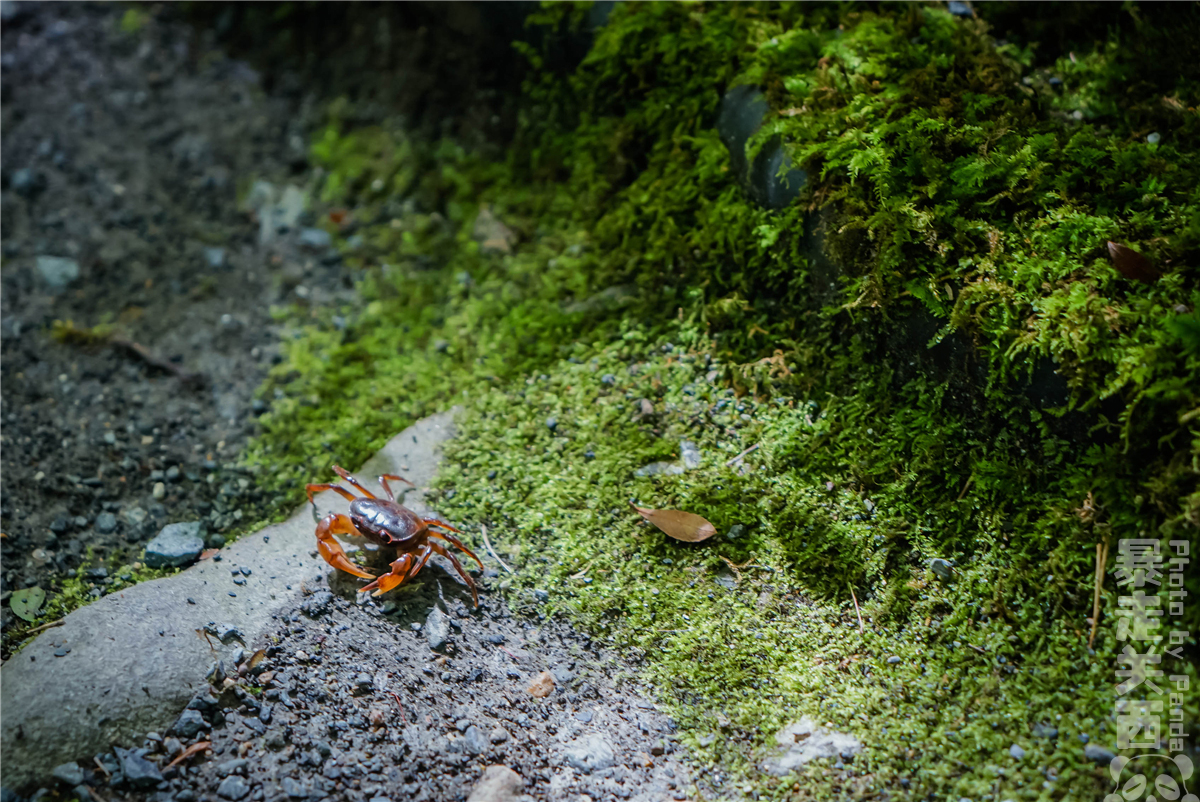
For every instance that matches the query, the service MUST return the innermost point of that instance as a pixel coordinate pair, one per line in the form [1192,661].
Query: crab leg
[334,524]
[452,540]
[345,474]
[341,491]
[442,524]
[458,567]
[383,481]
[393,580]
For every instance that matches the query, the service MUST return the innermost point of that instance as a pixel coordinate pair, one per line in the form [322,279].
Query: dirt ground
[350,702]
[122,154]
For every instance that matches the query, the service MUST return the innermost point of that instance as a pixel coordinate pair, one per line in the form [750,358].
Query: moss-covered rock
[930,351]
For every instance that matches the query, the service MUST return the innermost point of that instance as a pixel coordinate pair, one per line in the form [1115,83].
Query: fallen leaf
[685,526]
[26,603]
[1131,264]
[208,553]
[195,748]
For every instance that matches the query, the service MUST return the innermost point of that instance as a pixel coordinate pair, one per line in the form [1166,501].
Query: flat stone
[804,741]
[141,680]
[175,545]
[498,784]
[437,628]
[69,773]
[591,753]
[57,271]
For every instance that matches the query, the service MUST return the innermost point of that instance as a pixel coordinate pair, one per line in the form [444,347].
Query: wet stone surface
[349,703]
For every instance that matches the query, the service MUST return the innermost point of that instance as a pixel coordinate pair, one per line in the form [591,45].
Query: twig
[400,705]
[191,379]
[738,458]
[856,610]
[1101,562]
[492,551]
[582,572]
[978,649]
[57,623]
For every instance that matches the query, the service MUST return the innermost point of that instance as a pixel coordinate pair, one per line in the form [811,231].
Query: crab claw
[391,580]
[331,550]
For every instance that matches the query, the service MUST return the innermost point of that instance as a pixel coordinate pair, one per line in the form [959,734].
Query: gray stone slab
[136,657]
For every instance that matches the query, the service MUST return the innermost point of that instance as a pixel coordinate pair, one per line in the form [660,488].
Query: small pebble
[1016,752]
[160,491]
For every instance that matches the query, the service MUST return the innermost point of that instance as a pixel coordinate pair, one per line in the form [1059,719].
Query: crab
[387,523]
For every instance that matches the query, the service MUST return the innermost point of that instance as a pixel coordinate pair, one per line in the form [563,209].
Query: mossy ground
[962,180]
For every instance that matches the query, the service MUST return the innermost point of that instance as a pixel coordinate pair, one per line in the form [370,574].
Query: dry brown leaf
[685,526]
[1131,264]
[208,553]
[195,748]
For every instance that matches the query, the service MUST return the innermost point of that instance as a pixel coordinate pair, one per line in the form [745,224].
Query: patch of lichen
[951,187]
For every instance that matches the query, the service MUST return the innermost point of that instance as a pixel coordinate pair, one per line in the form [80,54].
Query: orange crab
[387,523]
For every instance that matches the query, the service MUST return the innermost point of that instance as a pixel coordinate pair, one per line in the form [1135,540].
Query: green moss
[954,181]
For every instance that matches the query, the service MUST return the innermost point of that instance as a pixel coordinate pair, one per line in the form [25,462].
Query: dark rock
[106,523]
[59,526]
[741,114]
[541,595]
[318,603]
[177,544]
[139,772]
[1098,754]
[1016,751]
[551,423]
[190,724]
